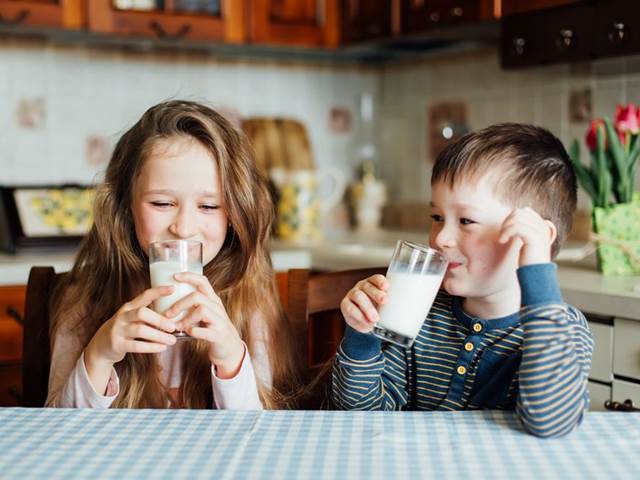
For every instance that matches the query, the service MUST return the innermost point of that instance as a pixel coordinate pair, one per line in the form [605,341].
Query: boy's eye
[437,218]
[466,221]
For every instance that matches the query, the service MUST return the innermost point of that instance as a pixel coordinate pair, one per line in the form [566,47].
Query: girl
[181,172]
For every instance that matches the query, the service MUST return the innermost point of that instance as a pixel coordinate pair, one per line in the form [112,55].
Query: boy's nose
[183,225]
[445,238]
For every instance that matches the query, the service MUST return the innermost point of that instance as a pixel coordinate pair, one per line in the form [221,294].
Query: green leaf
[583,174]
[619,162]
[603,174]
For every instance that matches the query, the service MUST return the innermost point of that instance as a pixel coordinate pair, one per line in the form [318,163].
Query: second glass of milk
[166,258]
[414,274]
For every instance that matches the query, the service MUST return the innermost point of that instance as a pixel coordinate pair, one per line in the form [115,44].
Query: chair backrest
[313,307]
[36,355]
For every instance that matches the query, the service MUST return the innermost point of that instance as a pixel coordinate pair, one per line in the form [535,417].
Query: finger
[148,296]
[375,293]
[200,282]
[379,281]
[148,316]
[365,305]
[201,333]
[354,316]
[137,346]
[196,316]
[142,331]
[192,300]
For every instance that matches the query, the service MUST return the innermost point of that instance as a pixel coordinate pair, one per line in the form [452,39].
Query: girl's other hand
[360,306]
[134,328]
[207,319]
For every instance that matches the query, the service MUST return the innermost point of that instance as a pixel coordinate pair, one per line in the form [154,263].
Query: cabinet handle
[20,17]
[565,39]
[457,12]
[617,33]
[517,46]
[162,33]
[15,314]
[626,406]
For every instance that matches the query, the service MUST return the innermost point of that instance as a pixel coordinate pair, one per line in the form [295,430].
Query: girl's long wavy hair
[111,268]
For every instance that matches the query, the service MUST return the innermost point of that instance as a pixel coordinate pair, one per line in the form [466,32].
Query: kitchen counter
[581,284]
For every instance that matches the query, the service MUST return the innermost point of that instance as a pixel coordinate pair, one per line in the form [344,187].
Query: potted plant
[609,180]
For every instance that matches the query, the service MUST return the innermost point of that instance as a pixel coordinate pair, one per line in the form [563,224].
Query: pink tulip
[627,120]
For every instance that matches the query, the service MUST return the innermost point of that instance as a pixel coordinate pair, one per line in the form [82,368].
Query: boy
[499,334]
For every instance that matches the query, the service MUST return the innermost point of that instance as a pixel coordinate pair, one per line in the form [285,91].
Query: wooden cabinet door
[617,28]
[43,13]
[420,15]
[523,40]
[311,23]
[11,297]
[510,7]
[365,20]
[570,35]
[168,22]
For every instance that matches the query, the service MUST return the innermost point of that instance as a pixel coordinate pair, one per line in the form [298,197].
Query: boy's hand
[530,233]
[359,306]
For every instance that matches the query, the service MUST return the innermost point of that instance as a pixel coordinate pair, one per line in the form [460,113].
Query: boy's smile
[466,224]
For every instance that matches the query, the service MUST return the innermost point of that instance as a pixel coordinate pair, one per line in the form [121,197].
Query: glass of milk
[414,274]
[166,258]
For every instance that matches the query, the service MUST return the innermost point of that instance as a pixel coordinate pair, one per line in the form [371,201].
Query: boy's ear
[553,231]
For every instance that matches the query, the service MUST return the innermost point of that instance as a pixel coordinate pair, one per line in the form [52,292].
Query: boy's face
[466,224]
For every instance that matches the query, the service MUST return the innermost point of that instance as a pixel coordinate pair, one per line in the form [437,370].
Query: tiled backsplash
[492,95]
[80,96]
[62,108]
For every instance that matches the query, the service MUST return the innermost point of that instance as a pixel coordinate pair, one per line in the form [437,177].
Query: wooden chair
[36,356]
[312,303]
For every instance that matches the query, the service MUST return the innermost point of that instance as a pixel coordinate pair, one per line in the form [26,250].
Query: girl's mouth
[453,265]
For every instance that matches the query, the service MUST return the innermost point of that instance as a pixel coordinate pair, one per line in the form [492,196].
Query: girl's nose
[184,224]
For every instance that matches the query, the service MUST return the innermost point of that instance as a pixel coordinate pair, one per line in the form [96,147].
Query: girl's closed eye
[160,204]
[209,207]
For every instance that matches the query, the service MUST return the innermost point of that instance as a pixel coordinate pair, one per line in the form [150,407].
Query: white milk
[409,300]
[162,274]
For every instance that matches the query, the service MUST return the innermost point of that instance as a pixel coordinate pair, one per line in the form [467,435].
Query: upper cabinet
[170,19]
[509,7]
[574,31]
[42,13]
[319,23]
[422,15]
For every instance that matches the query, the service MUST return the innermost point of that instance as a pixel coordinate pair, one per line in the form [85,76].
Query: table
[67,443]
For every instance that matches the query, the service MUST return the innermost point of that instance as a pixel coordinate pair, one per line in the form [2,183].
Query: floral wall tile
[31,113]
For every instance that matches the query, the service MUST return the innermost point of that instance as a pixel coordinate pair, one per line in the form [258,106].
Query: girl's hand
[359,306]
[531,235]
[207,319]
[134,328]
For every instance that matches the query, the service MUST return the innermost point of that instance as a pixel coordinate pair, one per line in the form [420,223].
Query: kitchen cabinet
[509,7]
[422,15]
[47,13]
[168,21]
[362,20]
[11,297]
[573,32]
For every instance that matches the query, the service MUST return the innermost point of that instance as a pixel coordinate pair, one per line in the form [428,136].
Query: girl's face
[178,196]
[466,224]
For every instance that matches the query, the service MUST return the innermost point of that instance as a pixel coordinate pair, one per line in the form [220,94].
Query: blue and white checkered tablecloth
[66,443]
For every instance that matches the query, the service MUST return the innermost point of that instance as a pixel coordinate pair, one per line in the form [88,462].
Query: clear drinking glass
[167,258]
[414,274]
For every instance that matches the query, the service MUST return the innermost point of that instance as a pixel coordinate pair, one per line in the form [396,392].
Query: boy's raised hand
[359,306]
[530,233]
[207,319]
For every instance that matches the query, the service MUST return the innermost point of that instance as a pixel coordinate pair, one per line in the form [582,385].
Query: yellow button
[468,346]
[461,370]
[477,327]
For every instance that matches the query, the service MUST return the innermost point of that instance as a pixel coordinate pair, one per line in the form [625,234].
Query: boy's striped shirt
[536,361]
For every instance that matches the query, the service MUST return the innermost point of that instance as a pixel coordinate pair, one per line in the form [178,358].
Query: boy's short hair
[530,168]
